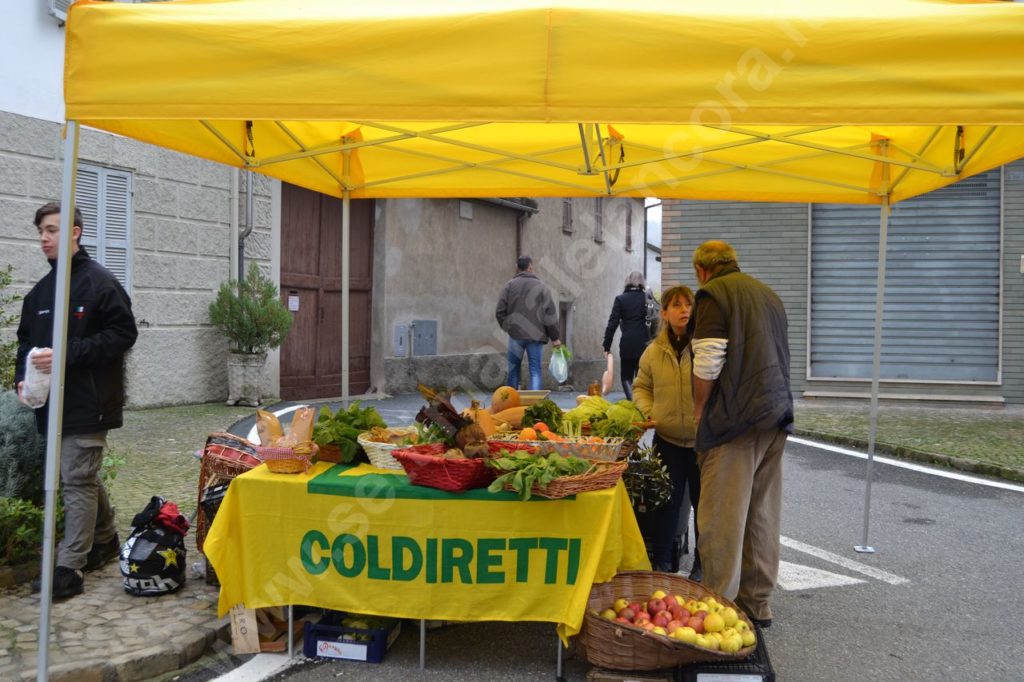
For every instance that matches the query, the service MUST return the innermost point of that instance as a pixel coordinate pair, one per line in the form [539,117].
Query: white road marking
[850,564]
[911,466]
[259,667]
[794,577]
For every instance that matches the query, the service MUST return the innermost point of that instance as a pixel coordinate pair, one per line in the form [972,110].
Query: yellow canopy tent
[781,101]
[872,101]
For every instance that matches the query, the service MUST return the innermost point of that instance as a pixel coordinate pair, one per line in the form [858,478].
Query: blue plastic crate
[330,639]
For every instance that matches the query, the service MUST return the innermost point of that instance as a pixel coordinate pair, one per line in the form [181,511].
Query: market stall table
[365,540]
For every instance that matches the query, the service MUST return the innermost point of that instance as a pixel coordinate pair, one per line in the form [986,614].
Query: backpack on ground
[153,557]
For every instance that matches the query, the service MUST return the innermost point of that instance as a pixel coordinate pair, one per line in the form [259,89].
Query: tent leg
[876,370]
[56,407]
[345,307]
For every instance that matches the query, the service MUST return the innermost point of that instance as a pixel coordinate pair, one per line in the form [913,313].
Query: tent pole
[346,219]
[876,369]
[56,406]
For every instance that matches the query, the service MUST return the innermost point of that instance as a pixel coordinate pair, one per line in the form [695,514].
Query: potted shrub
[254,320]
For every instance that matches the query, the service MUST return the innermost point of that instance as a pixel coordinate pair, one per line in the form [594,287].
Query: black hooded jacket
[629,311]
[101,328]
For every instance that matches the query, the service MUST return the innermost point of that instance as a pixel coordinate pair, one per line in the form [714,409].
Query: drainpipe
[249,220]
[233,249]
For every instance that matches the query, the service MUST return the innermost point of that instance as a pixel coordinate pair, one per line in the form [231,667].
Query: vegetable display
[606,419]
[342,428]
[546,412]
[522,470]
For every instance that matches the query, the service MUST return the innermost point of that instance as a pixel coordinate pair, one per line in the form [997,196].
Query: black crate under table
[754,668]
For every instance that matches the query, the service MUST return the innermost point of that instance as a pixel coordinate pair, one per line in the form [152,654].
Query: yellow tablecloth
[364,539]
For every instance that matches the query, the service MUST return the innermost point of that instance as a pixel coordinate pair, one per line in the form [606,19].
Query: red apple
[641,614]
[673,625]
[660,620]
[640,622]
[620,619]
[627,613]
[636,606]
[655,605]
[648,626]
[700,614]
[697,624]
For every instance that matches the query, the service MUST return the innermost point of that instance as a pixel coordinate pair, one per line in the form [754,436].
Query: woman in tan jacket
[664,393]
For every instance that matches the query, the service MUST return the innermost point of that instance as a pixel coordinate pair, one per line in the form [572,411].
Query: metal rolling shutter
[942,286]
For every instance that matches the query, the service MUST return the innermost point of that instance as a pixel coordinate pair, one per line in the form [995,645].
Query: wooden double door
[311,276]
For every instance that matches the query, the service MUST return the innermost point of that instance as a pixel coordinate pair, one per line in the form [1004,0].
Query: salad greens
[607,419]
[544,411]
[343,427]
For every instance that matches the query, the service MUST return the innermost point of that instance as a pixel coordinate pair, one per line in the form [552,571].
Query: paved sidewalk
[107,634]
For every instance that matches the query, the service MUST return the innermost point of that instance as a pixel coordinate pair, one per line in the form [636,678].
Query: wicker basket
[619,646]
[329,453]
[608,451]
[224,457]
[294,460]
[424,466]
[601,475]
[380,453]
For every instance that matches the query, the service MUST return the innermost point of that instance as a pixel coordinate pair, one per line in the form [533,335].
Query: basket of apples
[642,620]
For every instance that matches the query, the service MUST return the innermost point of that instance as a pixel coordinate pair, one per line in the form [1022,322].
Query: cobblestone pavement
[106,633]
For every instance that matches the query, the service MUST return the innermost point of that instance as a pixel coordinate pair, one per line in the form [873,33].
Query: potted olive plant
[254,320]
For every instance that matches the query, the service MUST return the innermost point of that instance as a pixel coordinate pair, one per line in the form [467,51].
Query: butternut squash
[482,417]
[504,398]
[513,416]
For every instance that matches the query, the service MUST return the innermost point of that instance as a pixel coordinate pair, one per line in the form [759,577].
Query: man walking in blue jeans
[101,328]
[527,313]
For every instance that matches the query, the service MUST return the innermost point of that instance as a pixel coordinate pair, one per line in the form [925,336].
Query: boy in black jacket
[101,328]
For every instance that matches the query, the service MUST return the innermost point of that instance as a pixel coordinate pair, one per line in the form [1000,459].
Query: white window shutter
[103,195]
[117,218]
[87,199]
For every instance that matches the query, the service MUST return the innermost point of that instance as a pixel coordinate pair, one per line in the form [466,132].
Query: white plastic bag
[558,365]
[35,389]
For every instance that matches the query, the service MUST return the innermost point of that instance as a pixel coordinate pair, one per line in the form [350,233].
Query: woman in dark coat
[630,313]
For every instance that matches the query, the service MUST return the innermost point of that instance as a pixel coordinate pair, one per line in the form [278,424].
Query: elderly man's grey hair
[713,254]
[636,279]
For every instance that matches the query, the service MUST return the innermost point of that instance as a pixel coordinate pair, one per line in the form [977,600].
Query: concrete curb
[969,465]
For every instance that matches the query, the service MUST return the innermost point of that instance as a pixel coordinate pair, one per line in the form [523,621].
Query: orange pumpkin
[504,398]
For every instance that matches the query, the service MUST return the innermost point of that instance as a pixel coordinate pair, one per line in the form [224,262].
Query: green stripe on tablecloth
[396,486]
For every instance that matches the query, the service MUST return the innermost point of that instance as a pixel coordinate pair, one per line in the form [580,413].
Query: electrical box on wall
[424,337]
[400,347]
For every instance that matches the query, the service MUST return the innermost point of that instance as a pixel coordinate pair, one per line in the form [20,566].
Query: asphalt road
[940,599]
